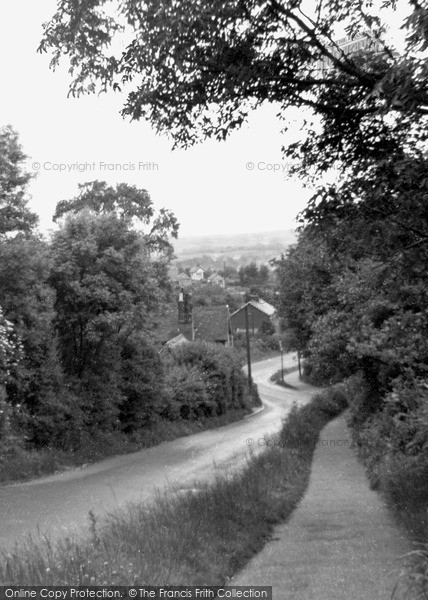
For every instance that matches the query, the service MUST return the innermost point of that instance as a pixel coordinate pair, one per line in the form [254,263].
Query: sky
[237,186]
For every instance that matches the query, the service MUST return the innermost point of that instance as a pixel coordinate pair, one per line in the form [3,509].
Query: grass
[191,538]
[20,464]
[413,583]
[277,377]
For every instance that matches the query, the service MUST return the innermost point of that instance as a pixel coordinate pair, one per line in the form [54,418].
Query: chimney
[184,307]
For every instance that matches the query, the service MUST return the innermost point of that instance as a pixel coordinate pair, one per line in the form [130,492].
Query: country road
[59,504]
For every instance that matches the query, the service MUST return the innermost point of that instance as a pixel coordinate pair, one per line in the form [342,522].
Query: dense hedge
[393,445]
[203,380]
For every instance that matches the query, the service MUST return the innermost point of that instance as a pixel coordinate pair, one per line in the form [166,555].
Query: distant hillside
[238,249]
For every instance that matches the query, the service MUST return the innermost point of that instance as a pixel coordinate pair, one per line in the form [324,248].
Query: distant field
[241,248]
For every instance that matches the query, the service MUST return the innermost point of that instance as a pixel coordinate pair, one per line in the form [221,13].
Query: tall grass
[413,583]
[193,538]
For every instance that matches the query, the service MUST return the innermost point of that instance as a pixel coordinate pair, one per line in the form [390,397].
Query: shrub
[187,393]
[303,424]
[393,445]
[141,383]
[413,584]
[205,378]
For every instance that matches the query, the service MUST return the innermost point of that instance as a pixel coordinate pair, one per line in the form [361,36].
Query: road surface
[59,504]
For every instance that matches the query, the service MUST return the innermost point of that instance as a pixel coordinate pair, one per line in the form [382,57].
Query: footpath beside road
[341,542]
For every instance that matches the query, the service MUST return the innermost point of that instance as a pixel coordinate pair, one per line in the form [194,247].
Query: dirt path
[340,543]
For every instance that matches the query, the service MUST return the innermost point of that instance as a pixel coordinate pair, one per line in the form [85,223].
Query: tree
[128,203]
[105,286]
[109,279]
[28,302]
[10,354]
[305,276]
[142,381]
[252,275]
[234,56]
[34,385]
[9,349]
[14,213]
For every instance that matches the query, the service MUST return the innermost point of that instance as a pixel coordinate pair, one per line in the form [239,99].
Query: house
[205,323]
[212,324]
[259,313]
[216,279]
[197,273]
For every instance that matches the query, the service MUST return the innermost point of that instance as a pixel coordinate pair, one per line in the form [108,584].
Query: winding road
[59,504]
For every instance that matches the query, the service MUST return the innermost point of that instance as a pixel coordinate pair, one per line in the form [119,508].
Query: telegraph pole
[282,360]
[247,332]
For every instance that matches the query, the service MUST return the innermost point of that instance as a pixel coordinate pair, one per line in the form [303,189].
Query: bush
[413,583]
[141,384]
[187,393]
[393,445]
[58,422]
[204,380]
[303,424]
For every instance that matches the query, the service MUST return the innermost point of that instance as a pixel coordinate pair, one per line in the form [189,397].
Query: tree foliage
[252,275]
[204,380]
[104,282]
[235,55]
[128,203]
[14,179]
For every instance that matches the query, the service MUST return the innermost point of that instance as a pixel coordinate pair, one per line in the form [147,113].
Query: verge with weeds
[392,443]
[413,583]
[195,538]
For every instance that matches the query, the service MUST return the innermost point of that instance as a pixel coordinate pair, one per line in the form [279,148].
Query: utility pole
[247,331]
[298,362]
[282,361]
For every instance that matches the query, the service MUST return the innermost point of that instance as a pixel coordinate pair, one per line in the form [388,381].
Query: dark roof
[211,323]
[168,327]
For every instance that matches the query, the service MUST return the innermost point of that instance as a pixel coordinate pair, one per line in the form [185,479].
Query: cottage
[197,273]
[205,323]
[216,279]
[260,313]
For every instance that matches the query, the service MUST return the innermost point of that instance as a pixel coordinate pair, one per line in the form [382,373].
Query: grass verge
[190,538]
[413,583]
[278,375]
